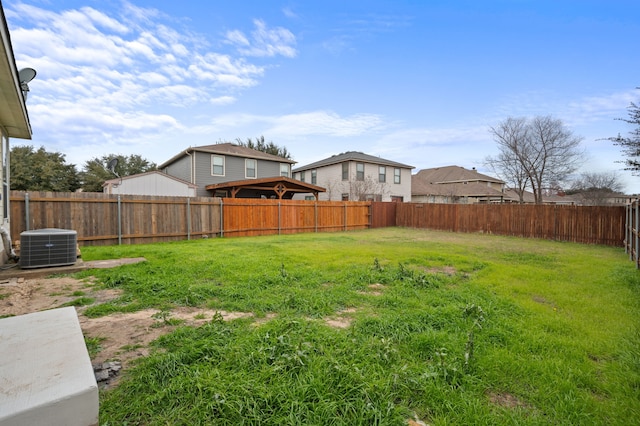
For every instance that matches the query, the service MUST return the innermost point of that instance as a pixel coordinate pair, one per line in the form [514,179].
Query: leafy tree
[40,170]
[595,189]
[631,144]
[535,153]
[95,172]
[268,147]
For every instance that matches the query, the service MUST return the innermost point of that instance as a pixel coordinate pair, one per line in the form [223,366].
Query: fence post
[221,219]
[26,210]
[635,232]
[119,221]
[188,219]
[345,215]
[279,224]
[627,229]
[315,214]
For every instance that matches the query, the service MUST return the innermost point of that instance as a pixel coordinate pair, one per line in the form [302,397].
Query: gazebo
[279,187]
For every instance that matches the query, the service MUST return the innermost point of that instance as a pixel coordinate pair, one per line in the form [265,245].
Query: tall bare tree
[534,153]
[510,135]
[595,189]
[360,190]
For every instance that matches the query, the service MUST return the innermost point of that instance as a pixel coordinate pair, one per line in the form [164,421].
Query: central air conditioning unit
[48,247]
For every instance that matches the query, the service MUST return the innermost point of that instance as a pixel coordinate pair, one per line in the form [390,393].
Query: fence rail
[102,219]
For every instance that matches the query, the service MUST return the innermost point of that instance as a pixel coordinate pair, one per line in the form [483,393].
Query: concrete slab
[46,377]
[80,265]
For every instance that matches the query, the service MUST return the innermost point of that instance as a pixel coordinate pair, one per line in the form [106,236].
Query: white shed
[150,183]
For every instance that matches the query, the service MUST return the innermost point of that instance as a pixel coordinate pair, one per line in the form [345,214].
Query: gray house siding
[234,169]
[181,169]
[203,172]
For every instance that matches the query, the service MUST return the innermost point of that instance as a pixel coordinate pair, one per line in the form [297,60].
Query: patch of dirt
[507,400]
[122,337]
[447,270]
[127,336]
[374,289]
[341,319]
[20,296]
[543,301]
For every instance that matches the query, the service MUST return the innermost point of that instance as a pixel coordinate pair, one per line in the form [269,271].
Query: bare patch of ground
[121,336]
[342,319]
[507,400]
[125,336]
[447,270]
[544,301]
[374,289]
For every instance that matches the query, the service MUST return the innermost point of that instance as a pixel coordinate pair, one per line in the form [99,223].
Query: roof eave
[14,117]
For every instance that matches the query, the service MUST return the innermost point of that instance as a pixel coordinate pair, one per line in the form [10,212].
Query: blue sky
[418,82]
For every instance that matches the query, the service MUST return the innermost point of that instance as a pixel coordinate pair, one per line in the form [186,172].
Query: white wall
[150,184]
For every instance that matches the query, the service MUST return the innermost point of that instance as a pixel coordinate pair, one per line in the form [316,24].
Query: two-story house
[355,176]
[230,170]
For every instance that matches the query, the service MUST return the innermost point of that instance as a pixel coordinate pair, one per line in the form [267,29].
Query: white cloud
[289,13]
[325,123]
[127,76]
[222,100]
[595,108]
[264,41]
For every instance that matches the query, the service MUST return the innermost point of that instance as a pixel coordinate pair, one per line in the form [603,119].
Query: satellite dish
[25,75]
[111,166]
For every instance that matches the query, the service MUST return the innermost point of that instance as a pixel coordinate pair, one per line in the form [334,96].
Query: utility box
[48,247]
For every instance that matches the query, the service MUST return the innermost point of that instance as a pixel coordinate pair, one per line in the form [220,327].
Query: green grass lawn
[447,328]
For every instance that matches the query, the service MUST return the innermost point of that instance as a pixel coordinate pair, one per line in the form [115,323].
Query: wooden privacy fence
[581,224]
[102,219]
[250,216]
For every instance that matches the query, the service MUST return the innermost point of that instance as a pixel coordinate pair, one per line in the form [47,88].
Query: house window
[345,171]
[314,177]
[217,165]
[396,175]
[345,197]
[250,168]
[301,176]
[284,169]
[309,197]
[360,171]
[382,174]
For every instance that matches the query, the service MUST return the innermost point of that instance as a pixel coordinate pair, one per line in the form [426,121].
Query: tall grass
[448,328]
